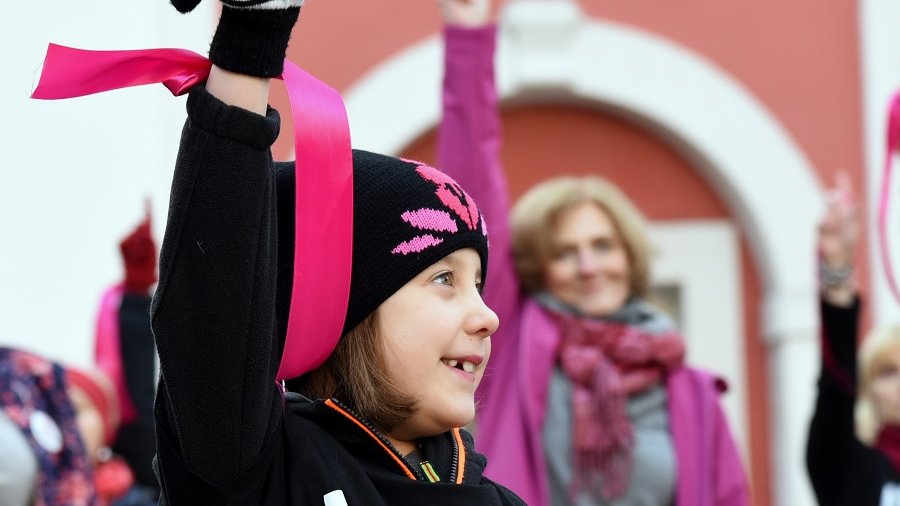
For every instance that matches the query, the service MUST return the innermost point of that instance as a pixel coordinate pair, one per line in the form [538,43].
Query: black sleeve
[135,441]
[213,314]
[832,447]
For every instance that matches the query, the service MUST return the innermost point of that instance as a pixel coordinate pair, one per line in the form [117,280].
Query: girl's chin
[459,417]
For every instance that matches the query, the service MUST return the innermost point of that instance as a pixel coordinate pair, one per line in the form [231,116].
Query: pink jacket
[514,389]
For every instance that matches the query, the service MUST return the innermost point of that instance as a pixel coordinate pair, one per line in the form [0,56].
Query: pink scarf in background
[888,443]
[607,362]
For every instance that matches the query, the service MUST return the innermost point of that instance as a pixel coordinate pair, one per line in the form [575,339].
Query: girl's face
[589,269]
[436,333]
[885,386]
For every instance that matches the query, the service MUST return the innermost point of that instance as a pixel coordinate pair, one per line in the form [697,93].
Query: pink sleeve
[469,151]
[108,350]
[731,480]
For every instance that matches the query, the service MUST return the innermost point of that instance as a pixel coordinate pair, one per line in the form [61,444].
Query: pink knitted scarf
[888,443]
[607,362]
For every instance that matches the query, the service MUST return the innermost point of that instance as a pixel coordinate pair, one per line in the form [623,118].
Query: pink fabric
[431,219]
[607,362]
[893,147]
[513,392]
[416,244]
[323,233]
[108,349]
[324,193]
[451,195]
[888,443]
[70,72]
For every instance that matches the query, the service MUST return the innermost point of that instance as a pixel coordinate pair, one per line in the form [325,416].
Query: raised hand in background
[838,236]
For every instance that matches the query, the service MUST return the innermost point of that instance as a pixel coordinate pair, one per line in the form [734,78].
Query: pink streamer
[324,192]
[324,223]
[108,350]
[893,146]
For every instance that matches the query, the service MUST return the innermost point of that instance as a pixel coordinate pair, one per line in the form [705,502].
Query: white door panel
[697,276]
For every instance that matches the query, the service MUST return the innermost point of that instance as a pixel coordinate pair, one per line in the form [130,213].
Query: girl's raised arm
[214,314]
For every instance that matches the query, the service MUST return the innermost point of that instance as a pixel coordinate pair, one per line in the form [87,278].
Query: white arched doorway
[548,49]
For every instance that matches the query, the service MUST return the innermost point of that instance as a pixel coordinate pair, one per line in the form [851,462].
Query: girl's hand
[466,13]
[837,240]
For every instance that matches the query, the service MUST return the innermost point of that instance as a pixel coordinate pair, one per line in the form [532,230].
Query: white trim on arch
[550,50]
[880,59]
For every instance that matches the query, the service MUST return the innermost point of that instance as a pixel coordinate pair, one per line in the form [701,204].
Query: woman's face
[885,386]
[436,332]
[589,269]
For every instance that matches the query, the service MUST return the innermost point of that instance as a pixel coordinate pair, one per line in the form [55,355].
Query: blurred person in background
[56,424]
[853,451]
[125,351]
[587,400]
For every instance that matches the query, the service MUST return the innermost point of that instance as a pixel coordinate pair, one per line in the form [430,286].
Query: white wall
[73,173]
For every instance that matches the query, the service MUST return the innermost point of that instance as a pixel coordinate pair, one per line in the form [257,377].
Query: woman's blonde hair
[879,341]
[536,214]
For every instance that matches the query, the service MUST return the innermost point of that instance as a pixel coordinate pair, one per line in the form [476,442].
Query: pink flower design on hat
[450,194]
[453,197]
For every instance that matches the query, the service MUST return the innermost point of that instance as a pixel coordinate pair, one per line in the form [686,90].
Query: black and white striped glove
[252,36]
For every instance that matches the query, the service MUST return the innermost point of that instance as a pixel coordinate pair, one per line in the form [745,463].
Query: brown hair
[536,214]
[356,373]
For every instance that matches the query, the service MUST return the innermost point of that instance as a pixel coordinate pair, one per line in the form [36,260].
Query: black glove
[252,35]
[184,6]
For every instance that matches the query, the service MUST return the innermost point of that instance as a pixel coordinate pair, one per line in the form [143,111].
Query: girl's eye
[444,278]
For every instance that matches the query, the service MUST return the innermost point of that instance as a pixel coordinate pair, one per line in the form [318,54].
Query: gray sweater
[653,475]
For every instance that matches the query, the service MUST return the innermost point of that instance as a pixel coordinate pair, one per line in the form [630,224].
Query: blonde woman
[853,452]
[587,400]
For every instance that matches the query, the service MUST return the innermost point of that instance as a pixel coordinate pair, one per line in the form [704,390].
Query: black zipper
[454,462]
[386,442]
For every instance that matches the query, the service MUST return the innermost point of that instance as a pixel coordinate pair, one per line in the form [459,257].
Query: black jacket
[843,470]
[135,441]
[225,435]
[322,448]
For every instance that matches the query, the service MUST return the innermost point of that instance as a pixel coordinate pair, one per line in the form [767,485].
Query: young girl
[588,401]
[378,422]
[852,458]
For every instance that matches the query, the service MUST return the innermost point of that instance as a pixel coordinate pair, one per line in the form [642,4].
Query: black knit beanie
[406,216]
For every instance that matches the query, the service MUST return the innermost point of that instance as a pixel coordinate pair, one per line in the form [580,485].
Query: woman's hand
[837,241]
[466,13]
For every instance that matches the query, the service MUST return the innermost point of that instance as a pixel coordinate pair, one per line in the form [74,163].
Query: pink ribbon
[893,146]
[323,234]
